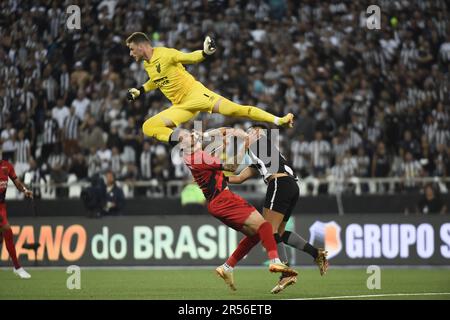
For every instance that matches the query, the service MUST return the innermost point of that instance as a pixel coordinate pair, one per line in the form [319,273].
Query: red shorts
[3,216]
[231,209]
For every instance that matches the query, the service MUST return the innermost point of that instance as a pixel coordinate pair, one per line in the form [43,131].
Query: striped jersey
[268,160]
[6,171]
[207,172]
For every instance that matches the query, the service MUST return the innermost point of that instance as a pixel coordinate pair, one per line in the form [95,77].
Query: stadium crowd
[368,102]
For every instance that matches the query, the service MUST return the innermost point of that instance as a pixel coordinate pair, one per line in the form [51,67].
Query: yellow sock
[232,109]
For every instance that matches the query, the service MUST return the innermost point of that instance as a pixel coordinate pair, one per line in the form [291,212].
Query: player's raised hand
[239,133]
[133,94]
[209,46]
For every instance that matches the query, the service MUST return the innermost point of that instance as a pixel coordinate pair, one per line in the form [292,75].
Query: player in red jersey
[228,207]
[7,171]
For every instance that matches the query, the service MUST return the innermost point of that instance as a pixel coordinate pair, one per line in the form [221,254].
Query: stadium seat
[48,191]
[310,180]
[356,182]
[155,190]
[28,177]
[74,187]
[128,191]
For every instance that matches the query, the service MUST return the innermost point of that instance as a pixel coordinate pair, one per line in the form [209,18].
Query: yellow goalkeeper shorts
[198,99]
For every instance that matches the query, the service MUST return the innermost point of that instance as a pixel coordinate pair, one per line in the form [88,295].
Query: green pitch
[204,284]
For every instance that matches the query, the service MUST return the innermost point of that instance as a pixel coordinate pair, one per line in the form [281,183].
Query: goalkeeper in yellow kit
[165,69]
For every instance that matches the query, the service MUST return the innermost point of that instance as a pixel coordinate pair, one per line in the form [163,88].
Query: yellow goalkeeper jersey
[166,72]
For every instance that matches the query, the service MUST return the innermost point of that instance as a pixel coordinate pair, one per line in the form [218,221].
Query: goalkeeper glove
[209,46]
[134,93]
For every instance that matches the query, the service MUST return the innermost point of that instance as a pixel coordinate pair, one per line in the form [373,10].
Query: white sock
[276,260]
[227,267]
[276,121]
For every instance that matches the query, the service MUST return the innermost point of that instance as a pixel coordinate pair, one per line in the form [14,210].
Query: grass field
[204,284]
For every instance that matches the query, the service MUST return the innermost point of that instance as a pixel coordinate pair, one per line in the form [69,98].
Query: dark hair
[137,37]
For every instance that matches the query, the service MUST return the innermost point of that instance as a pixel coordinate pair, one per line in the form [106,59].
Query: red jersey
[6,170]
[207,172]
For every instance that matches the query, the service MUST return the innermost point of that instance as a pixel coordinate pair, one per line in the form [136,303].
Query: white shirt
[105,158]
[80,107]
[59,114]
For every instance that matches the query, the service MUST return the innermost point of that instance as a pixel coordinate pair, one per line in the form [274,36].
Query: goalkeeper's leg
[161,125]
[232,109]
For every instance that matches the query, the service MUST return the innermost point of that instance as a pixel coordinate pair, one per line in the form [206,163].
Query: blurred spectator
[22,155]
[409,144]
[37,177]
[79,77]
[161,162]
[380,167]
[27,125]
[9,142]
[60,112]
[92,135]
[116,163]
[340,172]
[94,196]
[300,155]
[78,166]
[180,170]
[362,162]
[145,161]
[50,136]
[81,104]
[114,139]
[115,199]
[93,162]
[104,155]
[319,152]
[58,165]
[410,169]
[192,199]
[71,133]
[431,202]
[442,161]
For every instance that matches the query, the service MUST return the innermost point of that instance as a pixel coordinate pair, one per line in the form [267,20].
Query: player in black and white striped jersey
[281,197]
[22,155]
[50,135]
[71,133]
[320,150]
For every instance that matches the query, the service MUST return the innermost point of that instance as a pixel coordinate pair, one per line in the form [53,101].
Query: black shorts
[282,196]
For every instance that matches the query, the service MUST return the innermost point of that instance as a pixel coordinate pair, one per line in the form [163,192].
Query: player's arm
[237,159]
[134,93]
[21,187]
[209,47]
[245,174]
[225,132]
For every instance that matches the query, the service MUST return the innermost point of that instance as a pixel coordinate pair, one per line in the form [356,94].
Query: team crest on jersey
[328,235]
[158,68]
[5,170]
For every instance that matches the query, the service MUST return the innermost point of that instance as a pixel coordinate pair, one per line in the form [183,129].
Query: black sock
[311,250]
